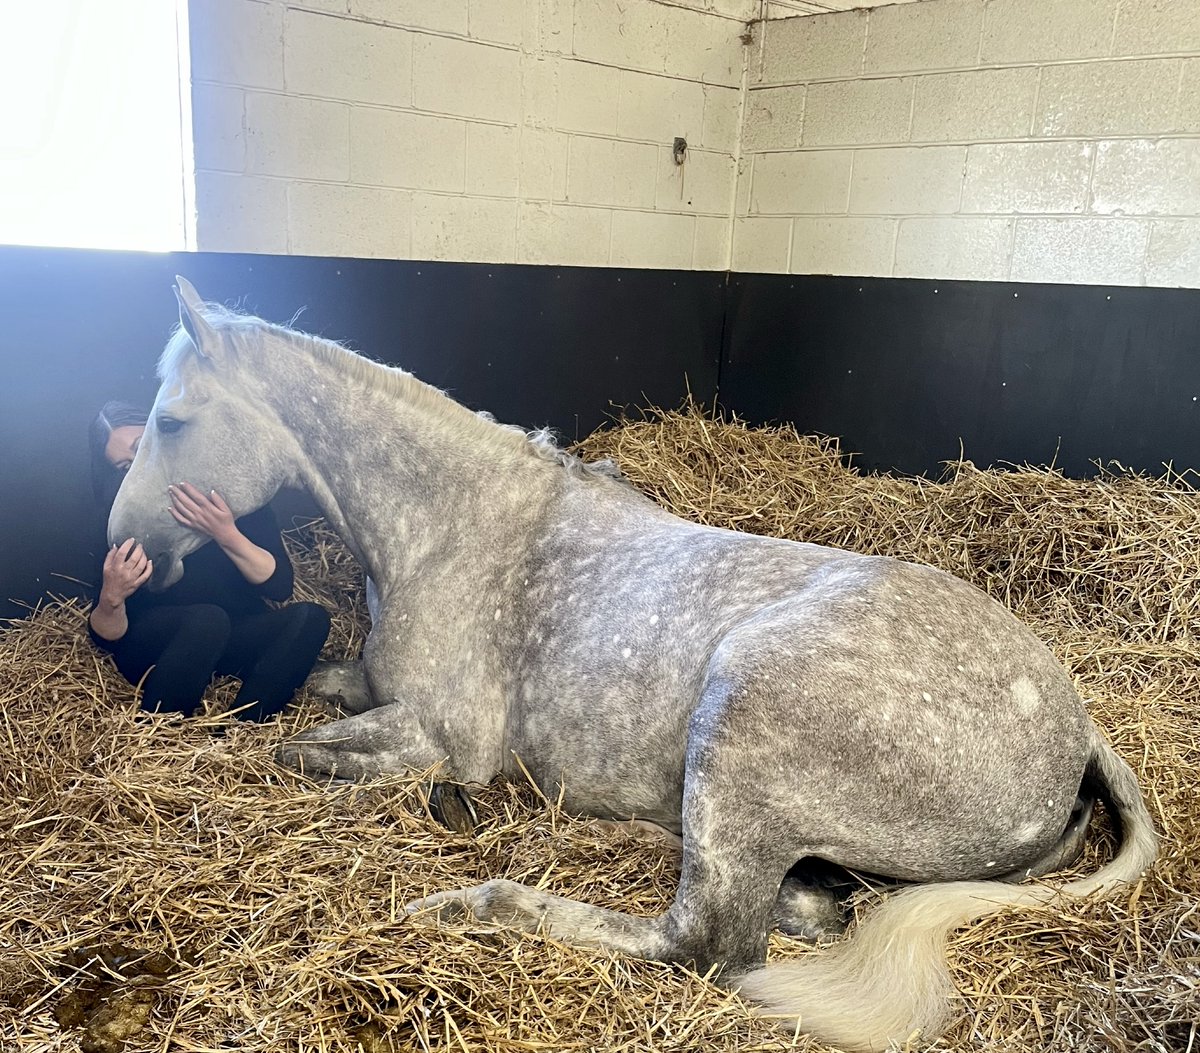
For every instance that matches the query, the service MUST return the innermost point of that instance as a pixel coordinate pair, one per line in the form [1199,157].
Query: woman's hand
[207,514]
[126,569]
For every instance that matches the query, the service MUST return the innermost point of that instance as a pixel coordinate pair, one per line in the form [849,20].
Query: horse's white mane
[245,332]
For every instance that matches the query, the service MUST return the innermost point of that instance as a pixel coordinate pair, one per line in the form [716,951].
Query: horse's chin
[166,573]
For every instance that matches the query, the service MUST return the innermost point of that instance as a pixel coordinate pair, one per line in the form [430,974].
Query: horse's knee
[343,684]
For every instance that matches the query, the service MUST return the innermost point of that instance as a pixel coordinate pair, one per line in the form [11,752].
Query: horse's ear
[191,317]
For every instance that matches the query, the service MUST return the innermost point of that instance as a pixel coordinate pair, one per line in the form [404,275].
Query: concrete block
[1174,256]
[1144,177]
[745,177]
[555,22]
[920,37]
[1187,118]
[973,106]
[543,164]
[539,90]
[703,183]
[468,229]
[1152,27]
[442,16]
[497,21]
[797,183]
[493,160]
[960,247]
[907,180]
[465,78]
[587,97]
[407,150]
[329,219]
[291,136]
[218,136]
[842,245]
[774,118]
[1027,177]
[652,239]
[1080,251]
[237,42]
[793,8]
[702,47]
[610,172]
[858,112]
[761,246]
[633,36]
[1035,30]
[722,111]
[563,234]
[658,108]
[743,10]
[711,251]
[1132,97]
[340,58]
[804,49]
[236,213]
[333,7]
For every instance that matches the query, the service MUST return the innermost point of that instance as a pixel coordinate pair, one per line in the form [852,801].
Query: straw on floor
[164,887]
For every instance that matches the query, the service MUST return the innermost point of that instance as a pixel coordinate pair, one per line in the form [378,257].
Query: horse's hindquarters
[923,735]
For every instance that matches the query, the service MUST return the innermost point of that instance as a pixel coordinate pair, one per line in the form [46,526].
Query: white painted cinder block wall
[1031,140]
[533,131]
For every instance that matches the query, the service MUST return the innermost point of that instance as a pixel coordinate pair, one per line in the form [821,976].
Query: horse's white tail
[889,981]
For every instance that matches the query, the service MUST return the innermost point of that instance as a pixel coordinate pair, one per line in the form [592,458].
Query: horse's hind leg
[713,920]
[732,867]
[1067,849]
[811,899]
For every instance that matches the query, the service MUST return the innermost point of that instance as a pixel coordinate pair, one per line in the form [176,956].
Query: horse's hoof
[452,806]
[638,830]
[812,930]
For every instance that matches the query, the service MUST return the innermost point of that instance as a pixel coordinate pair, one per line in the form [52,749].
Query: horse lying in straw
[770,700]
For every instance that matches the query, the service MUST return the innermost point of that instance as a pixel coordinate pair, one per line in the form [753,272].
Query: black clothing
[213,621]
[210,576]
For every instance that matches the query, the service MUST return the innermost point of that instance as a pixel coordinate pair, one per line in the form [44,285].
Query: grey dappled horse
[770,700]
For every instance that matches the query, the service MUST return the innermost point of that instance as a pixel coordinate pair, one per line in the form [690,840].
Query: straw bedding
[164,885]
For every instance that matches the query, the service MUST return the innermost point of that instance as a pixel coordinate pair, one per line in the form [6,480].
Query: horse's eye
[169,425]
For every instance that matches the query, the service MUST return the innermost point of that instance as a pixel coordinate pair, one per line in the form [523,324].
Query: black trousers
[184,647]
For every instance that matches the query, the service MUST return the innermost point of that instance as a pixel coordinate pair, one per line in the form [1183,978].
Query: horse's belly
[607,753]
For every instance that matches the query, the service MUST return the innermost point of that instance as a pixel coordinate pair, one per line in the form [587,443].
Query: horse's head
[208,427]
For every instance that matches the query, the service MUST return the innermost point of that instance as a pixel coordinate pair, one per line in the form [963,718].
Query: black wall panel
[903,369]
[536,346]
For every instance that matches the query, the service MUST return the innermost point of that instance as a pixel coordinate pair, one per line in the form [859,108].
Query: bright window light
[94,124]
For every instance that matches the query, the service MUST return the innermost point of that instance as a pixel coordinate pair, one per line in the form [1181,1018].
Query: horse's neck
[409,477]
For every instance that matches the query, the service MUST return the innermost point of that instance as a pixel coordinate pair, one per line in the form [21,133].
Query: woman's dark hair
[106,480]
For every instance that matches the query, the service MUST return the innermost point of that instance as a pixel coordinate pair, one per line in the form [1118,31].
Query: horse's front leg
[342,684]
[382,740]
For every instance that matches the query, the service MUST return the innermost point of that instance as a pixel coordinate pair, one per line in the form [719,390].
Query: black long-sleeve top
[210,576]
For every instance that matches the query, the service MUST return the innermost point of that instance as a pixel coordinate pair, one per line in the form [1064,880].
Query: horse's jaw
[167,571]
